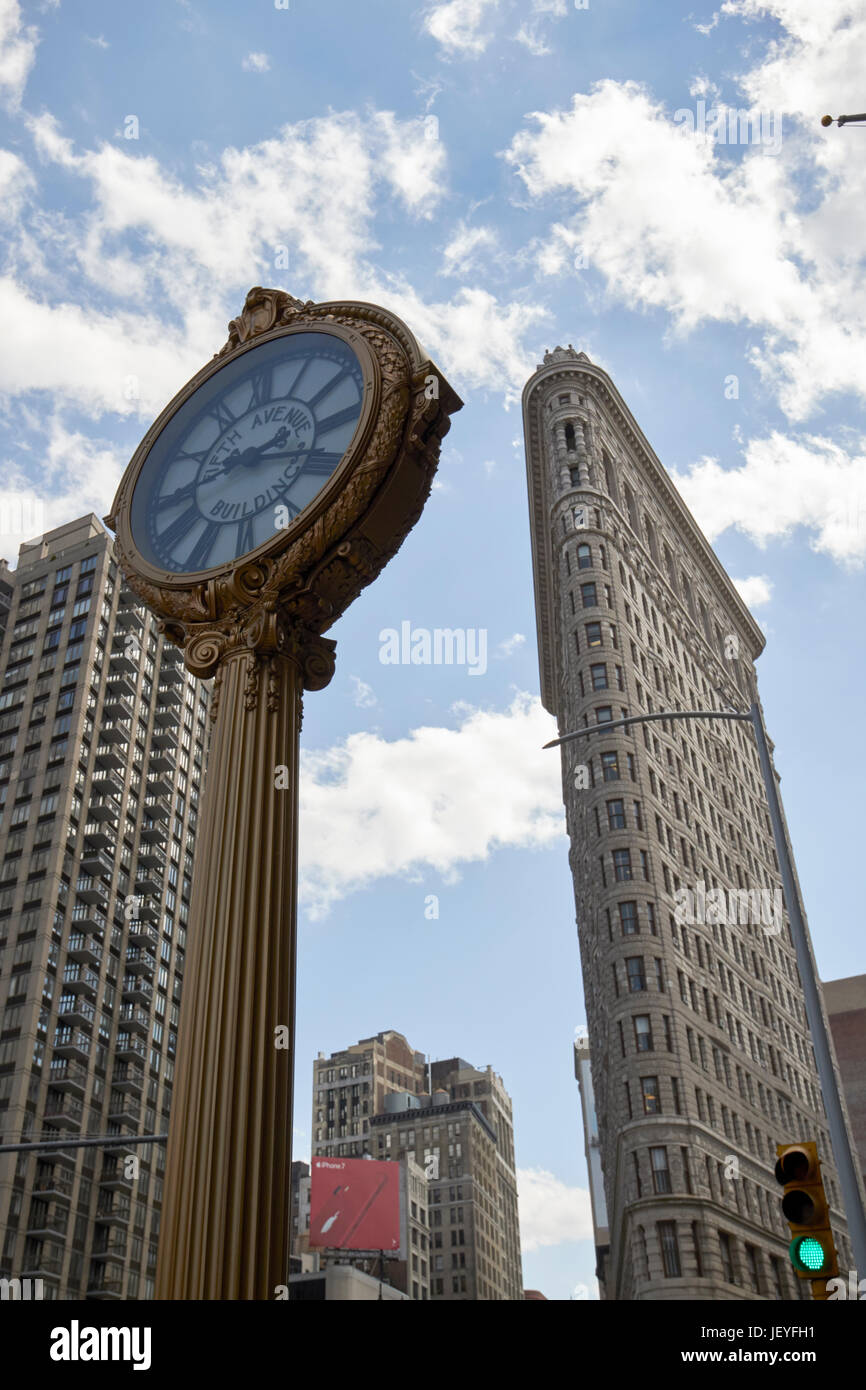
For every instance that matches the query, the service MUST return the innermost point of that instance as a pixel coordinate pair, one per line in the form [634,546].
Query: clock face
[247,452]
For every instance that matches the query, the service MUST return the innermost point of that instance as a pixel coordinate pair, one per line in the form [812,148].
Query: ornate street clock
[281,478]
[267,494]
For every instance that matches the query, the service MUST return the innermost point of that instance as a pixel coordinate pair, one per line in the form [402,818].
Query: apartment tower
[700,1051]
[102,746]
[375,1098]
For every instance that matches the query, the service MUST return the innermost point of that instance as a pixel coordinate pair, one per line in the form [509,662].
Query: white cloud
[73,474]
[436,800]
[17,51]
[785,482]
[551,1212]
[754,591]
[457,25]
[464,247]
[98,42]
[732,239]
[363,695]
[256,62]
[510,645]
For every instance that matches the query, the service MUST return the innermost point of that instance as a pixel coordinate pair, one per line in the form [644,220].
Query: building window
[588,596]
[687,1174]
[610,767]
[622,865]
[670,1249]
[752,1268]
[643,1033]
[584,557]
[727,1258]
[649,1086]
[593,634]
[615,815]
[635,974]
[660,1170]
[599,676]
[628,918]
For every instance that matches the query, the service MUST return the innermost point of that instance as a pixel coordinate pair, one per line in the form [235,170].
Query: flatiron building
[700,1054]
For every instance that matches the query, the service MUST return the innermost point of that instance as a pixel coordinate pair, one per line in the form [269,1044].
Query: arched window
[584,557]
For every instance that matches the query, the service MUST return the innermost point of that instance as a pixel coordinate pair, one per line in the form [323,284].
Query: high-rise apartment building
[102,744]
[374,1098]
[350,1086]
[701,1055]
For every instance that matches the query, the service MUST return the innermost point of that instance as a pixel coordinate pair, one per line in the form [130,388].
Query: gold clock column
[227,1208]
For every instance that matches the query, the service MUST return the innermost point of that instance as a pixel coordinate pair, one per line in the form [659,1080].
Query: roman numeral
[261,386]
[194,457]
[246,540]
[178,528]
[340,417]
[224,417]
[197,558]
[329,386]
[321,465]
[171,499]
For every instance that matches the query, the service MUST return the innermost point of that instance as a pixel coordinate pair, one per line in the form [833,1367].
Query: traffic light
[807,1212]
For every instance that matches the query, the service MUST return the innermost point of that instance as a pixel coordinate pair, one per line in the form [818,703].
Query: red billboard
[355,1204]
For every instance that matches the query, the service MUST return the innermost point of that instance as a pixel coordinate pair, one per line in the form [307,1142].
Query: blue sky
[506,176]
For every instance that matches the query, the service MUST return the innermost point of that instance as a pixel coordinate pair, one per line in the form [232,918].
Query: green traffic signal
[807,1254]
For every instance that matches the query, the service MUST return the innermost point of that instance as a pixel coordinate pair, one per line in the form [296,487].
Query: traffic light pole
[844,1159]
[842,1154]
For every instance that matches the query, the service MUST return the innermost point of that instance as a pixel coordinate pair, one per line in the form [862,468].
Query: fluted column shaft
[227,1210]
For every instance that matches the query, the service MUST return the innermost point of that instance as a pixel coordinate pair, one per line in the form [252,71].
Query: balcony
[119,664]
[118,708]
[92,890]
[106,784]
[41,1259]
[104,808]
[140,960]
[64,1110]
[48,1220]
[128,1076]
[113,1178]
[153,832]
[124,1108]
[96,863]
[119,684]
[105,1283]
[132,1016]
[110,1249]
[89,919]
[157,808]
[142,933]
[112,1208]
[127,1047]
[137,988]
[53,1185]
[161,761]
[109,757]
[168,695]
[79,977]
[163,739]
[87,950]
[158,785]
[148,884]
[69,1076]
[75,1010]
[151,857]
[129,619]
[101,834]
[71,1042]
